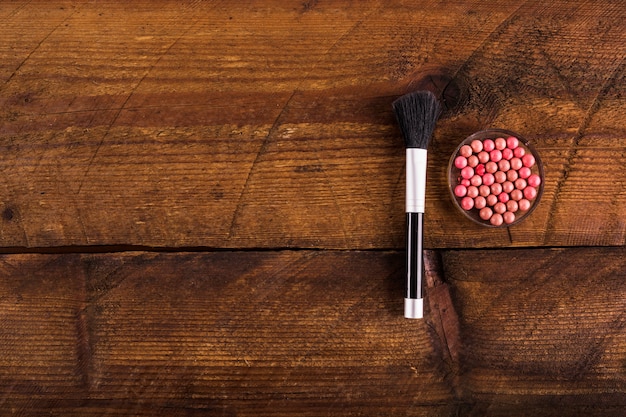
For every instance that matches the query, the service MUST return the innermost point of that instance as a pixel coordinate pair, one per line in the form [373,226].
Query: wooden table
[202,210]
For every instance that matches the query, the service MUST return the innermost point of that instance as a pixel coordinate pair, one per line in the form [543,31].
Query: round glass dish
[495,178]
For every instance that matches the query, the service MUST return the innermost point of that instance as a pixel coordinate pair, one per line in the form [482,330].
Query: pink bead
[511,175]
[476,180]
[488,145]
[491,200]
[517,195]
[467,203]
[508,217]
[500,177]
[512,142]
[519,152]
[488,178]
[508,186]
[523,204]
[507,153]
[460,190]
[499,207]
[500,143]
[467,172]
[460,162]
[491,167]
[496,219]
[480,202]
[504,165]
[528,160]
[516,163]
[524,172]
[512,206]
[472,191]
[530,193]
[496,188]
[484,190]
[495,155]
[465,182]
[476,145]
[472,161]
[483,157]
[534,180]
[480,169]
[465,151]
[504,197]
[485,213]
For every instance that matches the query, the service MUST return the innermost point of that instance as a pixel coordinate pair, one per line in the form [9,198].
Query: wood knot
[8,214]
[450,90]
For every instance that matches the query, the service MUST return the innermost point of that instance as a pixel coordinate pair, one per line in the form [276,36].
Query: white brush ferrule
[416,162]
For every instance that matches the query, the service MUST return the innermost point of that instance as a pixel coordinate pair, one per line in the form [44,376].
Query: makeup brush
[417,114]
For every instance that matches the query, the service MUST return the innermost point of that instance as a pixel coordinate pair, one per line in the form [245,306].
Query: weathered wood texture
[268,124]
[312,333]
[229,333]
[543,331]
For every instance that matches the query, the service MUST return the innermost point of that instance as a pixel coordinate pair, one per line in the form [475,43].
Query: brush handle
[413,301]
[416,162]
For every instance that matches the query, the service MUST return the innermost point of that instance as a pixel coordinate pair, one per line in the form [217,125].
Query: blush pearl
[508,217]
[500,176]
[484,190]
[460,162]
[517,195]
[503,197]
[476,146]
[507,153]
[472,161]
[485,213]
[512,206]
[491,167]
[472,191]
[534,180]
[523,204]
[488,178]
[480,169]
[480,202]
[516,163]
[530,193]
[528,160]
[495,155]
[491,199]
[499,207]
[460,190]
[467,203]
[520,183]
[467,172]
[496,219]
[476,180]
[488,145]
[507,186]
[500,143]
[496,188]
[465,151]
[512,142]
[504,165]
[483,157]
[519,152]
[524,172]
[511,175]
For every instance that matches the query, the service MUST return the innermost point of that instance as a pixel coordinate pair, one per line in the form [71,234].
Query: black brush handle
[414,254]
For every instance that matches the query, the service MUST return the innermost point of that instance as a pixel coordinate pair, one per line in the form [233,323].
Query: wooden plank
[269,125]
[230,333]
[543,331]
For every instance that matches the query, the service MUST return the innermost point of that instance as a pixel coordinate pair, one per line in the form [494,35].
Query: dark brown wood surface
[202,209]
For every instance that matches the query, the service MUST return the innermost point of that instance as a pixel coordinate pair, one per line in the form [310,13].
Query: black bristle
[417,114]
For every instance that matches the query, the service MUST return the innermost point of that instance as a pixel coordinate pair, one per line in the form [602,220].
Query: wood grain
[225,333]
[264,125]
[542,329]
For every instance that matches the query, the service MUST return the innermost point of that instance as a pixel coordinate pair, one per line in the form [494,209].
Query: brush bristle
[417,114]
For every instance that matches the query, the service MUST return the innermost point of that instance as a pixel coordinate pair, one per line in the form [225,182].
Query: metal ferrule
[416,162]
